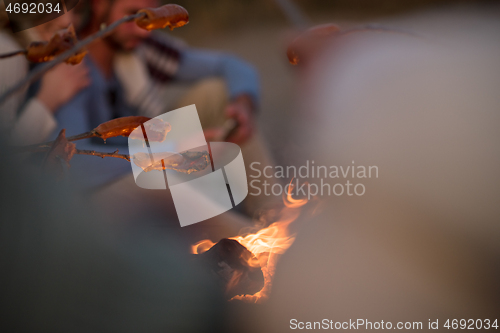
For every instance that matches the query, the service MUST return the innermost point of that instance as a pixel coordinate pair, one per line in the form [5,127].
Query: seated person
[126,69]
[29,118]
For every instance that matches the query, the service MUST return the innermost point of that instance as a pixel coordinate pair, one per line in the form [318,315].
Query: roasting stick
[44,146]
[380,28]
[39,71]
[229,128]
[294,14]
[12,54]
[116,127]
[103,155]
[298,19]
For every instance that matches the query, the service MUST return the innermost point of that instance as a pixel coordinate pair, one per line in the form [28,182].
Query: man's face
[128,35]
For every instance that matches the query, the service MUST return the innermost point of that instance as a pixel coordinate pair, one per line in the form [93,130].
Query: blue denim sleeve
[240,77]
[89,172]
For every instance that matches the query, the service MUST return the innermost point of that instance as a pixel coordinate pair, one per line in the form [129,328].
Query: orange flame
[289,201]
[202,246]
[266,245]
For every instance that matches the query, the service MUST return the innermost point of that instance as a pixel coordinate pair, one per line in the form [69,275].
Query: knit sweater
[25,121]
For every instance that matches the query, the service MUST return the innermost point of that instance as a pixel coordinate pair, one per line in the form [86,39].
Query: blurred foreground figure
[65,270]
[423,242]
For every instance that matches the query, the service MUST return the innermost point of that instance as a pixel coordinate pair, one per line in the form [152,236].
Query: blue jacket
[105,99]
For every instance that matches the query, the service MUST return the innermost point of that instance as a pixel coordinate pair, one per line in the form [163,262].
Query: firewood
[237,269]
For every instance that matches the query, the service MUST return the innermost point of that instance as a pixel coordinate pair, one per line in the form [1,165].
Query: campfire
[247,263]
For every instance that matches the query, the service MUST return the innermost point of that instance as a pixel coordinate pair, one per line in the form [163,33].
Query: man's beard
[116,44]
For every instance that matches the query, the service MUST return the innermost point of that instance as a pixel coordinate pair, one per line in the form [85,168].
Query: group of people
[123,75]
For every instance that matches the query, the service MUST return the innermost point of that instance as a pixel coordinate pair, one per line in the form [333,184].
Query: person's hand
[215,134]
[62,83]
[241,110]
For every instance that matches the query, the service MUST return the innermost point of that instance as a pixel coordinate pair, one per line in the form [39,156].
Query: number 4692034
[33,8]
[471,324]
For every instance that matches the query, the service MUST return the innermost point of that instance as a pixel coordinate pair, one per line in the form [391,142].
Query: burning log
[236,267]
[260,250]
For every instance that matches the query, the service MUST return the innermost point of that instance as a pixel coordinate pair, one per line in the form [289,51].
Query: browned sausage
[172,16]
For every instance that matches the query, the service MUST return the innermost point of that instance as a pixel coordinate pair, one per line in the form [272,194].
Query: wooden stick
[378,28]
[103,155]
[44,147]
[12,54]
[40,147]
[294,14]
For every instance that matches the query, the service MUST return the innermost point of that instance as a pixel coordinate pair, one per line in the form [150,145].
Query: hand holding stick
[157,130]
